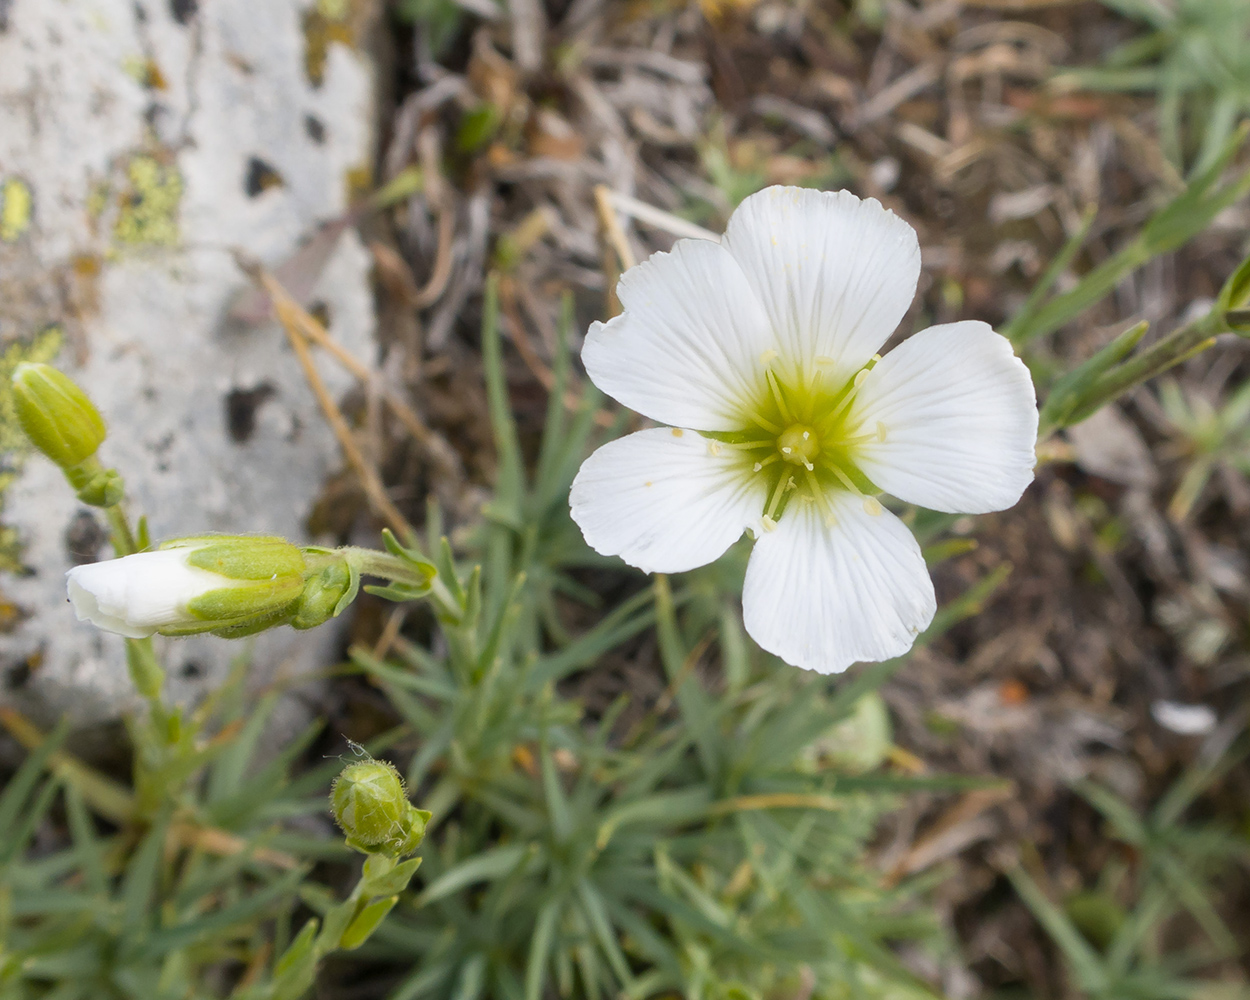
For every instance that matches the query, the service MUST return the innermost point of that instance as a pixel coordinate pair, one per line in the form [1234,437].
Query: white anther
[767,523]
[786,451]
[860,376]
[790,484]
[767,357]
[824,360]
[876,358]
[713,447]
[872,507]
[806,435]
[808,466]
[880,432]
[757,466]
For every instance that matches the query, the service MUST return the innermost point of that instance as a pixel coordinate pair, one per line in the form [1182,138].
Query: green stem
[374,562]
[124,543]
[1178,346]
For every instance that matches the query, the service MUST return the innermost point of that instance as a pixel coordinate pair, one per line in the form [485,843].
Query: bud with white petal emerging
[230,585]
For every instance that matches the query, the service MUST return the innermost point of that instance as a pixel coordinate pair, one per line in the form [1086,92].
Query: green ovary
[800,435]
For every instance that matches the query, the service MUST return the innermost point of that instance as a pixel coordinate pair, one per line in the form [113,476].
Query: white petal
[826,589]
[686,350]
[135,595]
[959,416]
[663,501]
[835,274]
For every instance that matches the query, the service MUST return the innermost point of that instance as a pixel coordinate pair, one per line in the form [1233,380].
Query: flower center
[800,436]
[799,445]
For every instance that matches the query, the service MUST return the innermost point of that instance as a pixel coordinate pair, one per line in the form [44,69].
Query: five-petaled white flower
[760,354]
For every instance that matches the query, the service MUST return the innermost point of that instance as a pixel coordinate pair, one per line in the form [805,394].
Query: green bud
[372,808]
[56,415]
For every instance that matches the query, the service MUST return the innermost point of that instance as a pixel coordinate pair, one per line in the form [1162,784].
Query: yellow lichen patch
[149,208]
[16,206]
[325,23]
[145,72]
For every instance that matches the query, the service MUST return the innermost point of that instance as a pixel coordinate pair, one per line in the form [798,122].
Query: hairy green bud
[372,808]
[56,415]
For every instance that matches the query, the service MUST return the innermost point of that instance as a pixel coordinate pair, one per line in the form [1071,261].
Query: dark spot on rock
[192,670]
[84,537]
[16,676]
[260,177]
[184,10]
[241,407]
[312,126]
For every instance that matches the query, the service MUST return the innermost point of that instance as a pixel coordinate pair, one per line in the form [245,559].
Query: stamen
[846,400]
[677,432]
[768,357]
[775,499]
[818,498]
[775,388]
[768,523]
[880,432]
[872,507]
[713,447]
[846,481]
[768,425]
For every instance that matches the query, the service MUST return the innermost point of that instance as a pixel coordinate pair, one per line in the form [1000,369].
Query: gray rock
[154,138]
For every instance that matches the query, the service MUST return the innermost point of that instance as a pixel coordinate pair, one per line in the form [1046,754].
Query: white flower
[190,585]
[760,353]
[137,595]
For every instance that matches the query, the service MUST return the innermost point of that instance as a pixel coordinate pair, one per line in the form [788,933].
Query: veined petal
[831,587]
[665,500]
[686,350]
[958,414]
[835,274]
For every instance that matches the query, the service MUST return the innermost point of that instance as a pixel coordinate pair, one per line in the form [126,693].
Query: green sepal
[366,922]
[326,594]
[56,414]
[243,557]
[246,600]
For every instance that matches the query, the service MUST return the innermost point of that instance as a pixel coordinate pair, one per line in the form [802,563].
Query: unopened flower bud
[56,415]
[371,806]
[218,583]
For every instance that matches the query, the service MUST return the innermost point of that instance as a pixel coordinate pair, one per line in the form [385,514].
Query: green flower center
[800,436]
